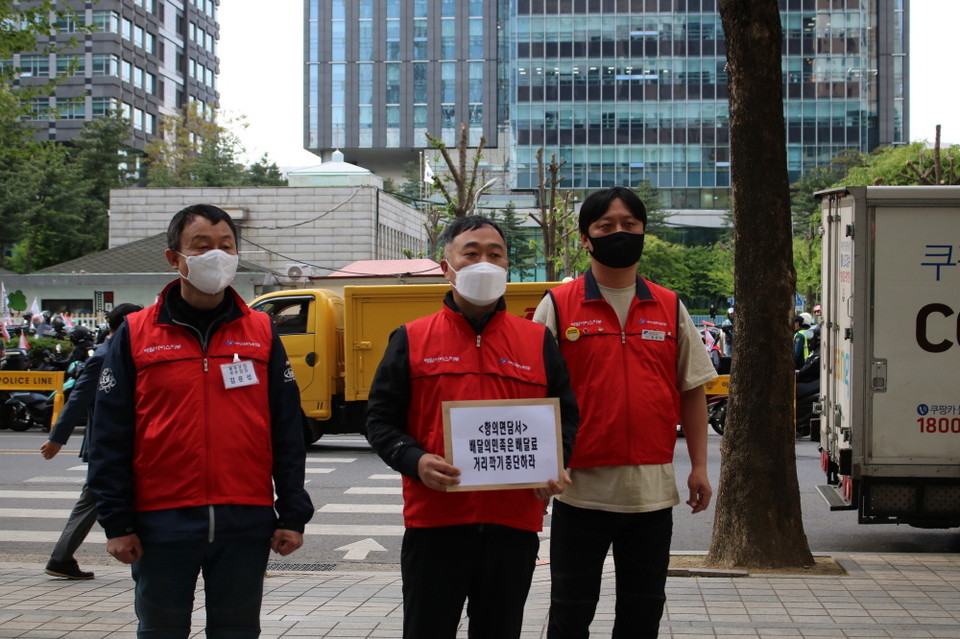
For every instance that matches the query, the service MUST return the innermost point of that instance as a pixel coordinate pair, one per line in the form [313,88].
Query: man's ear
[172,259]
[585,240]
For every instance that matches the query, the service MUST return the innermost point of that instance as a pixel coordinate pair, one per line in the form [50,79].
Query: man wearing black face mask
[637,367]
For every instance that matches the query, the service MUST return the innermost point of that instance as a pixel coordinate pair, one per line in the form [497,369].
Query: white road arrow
[359,550]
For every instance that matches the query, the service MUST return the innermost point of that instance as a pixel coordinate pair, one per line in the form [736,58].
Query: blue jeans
[579,541]
[488,566]
[166,578]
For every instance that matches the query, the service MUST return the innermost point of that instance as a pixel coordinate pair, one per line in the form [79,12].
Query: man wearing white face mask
[477,546]
[197,423]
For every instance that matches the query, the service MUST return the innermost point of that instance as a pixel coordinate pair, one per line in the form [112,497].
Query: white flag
[427,172]
[35,307]
[4,309]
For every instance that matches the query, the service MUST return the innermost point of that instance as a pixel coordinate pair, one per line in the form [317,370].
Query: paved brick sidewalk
[883,596]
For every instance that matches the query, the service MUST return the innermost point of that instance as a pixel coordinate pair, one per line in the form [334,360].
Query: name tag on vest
[655,336]
[237,374]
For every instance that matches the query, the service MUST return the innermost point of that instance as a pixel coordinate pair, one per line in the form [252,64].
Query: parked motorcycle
[13,359]
[28,409]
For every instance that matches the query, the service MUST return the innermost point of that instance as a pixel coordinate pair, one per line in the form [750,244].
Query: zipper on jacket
[205,368]
[623,337]
[212,525]
[478,340]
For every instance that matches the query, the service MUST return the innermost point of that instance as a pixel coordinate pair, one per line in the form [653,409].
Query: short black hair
[120,311]
[185,216]
[596,205]
[464,224]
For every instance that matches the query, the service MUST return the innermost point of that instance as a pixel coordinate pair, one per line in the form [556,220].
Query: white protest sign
[507,443]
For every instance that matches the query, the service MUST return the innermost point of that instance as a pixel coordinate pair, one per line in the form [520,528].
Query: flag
[4,309]
[67,322]
[3,330]
[427,172]
[23,341]
[708,338]
[35,307]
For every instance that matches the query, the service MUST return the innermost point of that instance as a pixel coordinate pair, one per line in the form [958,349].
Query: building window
[365,83]
[338,42]
[39,109]
[365,9]
[338,76]
[393,40]
[106,21]
[448,39]
[104,64]
[102,106]
[475,41]
[66,23]
[393,9]
[476,82]
[34,66]
[420,39]
[393,83]
[69,65]
[448,82]
[71,109]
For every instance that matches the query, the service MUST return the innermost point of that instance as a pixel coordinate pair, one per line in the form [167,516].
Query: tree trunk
[758,521]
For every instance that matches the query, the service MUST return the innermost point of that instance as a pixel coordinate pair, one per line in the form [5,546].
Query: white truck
[890,354]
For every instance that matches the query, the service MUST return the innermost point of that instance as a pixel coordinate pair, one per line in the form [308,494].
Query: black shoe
[67,570]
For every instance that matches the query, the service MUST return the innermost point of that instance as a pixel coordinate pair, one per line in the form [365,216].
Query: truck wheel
[312,432]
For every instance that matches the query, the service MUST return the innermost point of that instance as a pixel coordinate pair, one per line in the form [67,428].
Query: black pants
[579,541]
[488,566]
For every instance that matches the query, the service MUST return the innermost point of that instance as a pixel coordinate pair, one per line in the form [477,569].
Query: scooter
[29,409]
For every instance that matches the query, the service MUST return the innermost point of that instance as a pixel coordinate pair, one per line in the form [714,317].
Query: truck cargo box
[890,412]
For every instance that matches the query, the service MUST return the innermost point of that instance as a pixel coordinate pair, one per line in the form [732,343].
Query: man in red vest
[478,546]
[637,366]
[197,426]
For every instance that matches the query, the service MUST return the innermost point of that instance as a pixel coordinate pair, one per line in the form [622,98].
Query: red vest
[449,361]
[197,442]
[625,379]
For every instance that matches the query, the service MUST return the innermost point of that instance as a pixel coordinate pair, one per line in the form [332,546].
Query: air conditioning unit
[295,274]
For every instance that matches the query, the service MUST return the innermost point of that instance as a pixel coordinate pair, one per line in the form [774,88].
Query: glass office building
[623,90]
[380,74]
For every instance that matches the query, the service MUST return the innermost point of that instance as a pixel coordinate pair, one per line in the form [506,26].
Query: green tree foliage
[913,164]
[58,217]
[103,155]
[521,255]
[263,172]
[653,201]
[193,150]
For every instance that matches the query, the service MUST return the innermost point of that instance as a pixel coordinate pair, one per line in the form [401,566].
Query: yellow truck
[336,343]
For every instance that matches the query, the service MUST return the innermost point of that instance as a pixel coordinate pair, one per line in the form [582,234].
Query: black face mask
[618,250]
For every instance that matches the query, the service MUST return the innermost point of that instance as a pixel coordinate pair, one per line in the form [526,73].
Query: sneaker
[67,570]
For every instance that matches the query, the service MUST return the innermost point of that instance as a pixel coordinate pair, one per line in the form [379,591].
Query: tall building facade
[146,58]
[380,74]
[623,90]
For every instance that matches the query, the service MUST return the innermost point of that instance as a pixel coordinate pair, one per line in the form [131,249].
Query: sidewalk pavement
[883,596]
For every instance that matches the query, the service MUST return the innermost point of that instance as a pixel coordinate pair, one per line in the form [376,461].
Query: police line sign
[503,444]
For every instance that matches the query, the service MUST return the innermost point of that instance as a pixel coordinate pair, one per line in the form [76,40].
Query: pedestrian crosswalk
[358,501]
[367,507]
